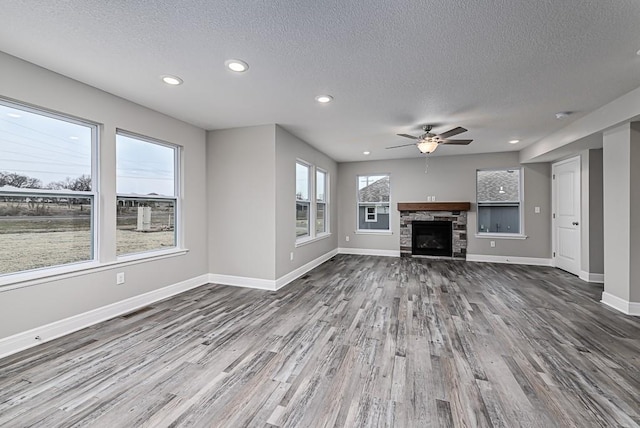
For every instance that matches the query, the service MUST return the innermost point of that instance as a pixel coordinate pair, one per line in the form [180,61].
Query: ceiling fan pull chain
[426,164]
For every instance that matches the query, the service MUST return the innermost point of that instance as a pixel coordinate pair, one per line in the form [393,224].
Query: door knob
[575,223]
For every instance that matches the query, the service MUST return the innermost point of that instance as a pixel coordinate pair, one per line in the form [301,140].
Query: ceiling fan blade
[402,145]
[452,132]
[456,142]
[407,136]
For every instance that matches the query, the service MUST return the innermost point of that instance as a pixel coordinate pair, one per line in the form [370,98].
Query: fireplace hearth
[432,238]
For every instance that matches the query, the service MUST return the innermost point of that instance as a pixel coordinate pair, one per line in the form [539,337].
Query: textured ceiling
[499,68]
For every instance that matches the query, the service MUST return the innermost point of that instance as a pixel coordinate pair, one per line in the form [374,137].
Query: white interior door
[566,215]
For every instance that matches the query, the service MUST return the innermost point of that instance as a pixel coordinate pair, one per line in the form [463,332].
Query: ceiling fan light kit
[428,142]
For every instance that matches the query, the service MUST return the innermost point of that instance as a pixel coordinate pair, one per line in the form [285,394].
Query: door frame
[554,191]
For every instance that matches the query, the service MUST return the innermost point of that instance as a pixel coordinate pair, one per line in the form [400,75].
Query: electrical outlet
[291,256]
[120,278]
[346,238]
[493,244]
[536,210]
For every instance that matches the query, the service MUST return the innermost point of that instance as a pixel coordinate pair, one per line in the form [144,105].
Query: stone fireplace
[449,216]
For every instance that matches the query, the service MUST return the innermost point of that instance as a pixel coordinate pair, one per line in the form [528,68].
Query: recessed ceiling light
[73,137]
[514,141]
[16,115]
[366,153]
[562,115]
[172,80]
[638,53]
[324,99]
[236,65]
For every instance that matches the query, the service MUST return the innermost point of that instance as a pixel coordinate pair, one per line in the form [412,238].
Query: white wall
[288,149]
[51,299]
[242,201]
[449,178]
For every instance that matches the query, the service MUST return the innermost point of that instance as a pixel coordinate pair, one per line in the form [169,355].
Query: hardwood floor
[361,341]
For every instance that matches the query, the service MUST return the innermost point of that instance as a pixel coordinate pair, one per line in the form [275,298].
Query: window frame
[359,231]
[176,198]
[93,195]
[313,235]
[520,203]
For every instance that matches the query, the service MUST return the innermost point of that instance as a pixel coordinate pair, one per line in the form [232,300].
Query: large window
[147,194]
[373,203]
[47,189]
[499,198]
[312,201]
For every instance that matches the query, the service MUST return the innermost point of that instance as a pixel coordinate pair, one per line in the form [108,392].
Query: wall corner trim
[534,261]
[592,277]
[624,306]
[369,252]
[25,340]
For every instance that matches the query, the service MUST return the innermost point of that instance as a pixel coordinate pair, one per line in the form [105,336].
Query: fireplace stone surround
[455,212]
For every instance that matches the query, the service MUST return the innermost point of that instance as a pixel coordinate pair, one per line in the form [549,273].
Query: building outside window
[147,194]
[47,189]
[373,203]
[499,199]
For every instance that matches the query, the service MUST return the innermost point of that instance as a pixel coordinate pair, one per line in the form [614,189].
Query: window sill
[374,232]
[35,277]
[501,235]
[304,241]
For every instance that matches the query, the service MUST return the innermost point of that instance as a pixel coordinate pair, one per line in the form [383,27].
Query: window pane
[372,217]
[144,168]
[496,186]
[302,219]
[373,188]
[499,201]
[302,182]
[145,225]
[499,219]
[42,152]
[321,222]
[321,180]
[38,231]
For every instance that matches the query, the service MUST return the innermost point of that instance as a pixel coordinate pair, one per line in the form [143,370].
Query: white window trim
[177,198]
[521,234]
[313,205]
[359,231]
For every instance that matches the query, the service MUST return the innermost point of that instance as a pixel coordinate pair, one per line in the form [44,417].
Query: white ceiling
[500,68]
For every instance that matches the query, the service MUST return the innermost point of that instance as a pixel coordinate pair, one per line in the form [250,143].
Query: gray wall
[288,149]
[591,222]
[242,201]
[617,210]
[46,301]
[449,178]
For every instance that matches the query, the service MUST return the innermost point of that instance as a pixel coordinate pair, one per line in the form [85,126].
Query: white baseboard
[270,284]
[535,261]
[369,252]
[297,273]
[624,306]
[591,277]
[27,339]
[243,281]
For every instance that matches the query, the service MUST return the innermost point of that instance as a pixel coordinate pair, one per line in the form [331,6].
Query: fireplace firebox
[432,238]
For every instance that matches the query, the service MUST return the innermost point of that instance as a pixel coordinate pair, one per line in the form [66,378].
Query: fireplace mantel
[434,206]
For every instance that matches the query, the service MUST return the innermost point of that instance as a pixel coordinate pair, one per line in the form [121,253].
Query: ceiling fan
[428,142]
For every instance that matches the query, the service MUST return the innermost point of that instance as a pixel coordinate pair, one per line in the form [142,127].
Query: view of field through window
[48,191]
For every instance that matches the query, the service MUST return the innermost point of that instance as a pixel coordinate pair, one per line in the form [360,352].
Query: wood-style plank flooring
[361,341]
